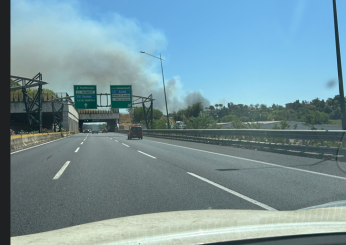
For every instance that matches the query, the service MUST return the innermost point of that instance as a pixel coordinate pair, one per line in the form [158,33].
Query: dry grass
[125,120]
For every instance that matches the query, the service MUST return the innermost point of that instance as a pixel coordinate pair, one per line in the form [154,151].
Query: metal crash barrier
[310,143]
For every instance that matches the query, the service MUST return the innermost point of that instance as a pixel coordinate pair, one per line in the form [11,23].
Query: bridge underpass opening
[19,121]
[94,126]
[99,124]
[99,116]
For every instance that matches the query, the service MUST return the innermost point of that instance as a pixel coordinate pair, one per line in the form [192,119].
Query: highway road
[91,177]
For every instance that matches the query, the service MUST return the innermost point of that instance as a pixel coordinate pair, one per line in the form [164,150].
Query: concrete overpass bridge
[71,119]
[68,115]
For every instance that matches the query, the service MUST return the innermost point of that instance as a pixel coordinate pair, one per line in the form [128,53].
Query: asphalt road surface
[91,177]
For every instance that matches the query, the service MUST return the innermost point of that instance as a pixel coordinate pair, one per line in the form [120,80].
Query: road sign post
[121,96]
[85,96]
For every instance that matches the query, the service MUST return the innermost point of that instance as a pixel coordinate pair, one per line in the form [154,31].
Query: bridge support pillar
[111,124]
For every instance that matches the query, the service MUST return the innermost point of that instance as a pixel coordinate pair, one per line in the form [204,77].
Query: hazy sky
[240,51]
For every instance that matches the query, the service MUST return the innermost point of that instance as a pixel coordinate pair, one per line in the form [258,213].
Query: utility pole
[338,58]
[164,89]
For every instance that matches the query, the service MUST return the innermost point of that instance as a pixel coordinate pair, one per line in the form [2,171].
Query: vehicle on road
[86,131]
[104,130]
[135,132]
[180,125]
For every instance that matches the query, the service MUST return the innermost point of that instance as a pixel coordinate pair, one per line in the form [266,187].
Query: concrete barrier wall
[70,118]
[18,142]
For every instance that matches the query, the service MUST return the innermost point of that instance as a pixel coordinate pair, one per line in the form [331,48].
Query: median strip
[147,154]
[125,145]
[234,193]
[61,170]
[77,150]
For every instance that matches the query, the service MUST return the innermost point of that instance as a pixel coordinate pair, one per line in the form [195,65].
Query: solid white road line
[82,143]
[250,160]
[234,193]
[125,145]
[61,170]
[36,145]
[77,150]
[147,154]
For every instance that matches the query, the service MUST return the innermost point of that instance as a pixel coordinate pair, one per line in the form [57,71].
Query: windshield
[235,105]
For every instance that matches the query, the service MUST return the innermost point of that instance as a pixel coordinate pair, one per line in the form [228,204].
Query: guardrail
[311,143]
[38,134]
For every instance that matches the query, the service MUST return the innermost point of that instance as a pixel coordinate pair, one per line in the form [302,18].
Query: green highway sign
[85,96]
[121,96]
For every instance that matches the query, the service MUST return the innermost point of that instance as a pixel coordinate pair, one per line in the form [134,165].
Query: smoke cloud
[69,48]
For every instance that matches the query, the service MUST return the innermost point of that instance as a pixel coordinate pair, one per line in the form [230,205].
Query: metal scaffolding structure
[57,117]
[148,111]
[58,113]
[33,106]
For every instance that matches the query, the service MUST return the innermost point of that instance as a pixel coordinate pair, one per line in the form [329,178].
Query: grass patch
[334,122]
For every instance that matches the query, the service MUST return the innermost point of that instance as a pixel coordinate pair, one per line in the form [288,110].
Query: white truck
[95,129]
[180,125]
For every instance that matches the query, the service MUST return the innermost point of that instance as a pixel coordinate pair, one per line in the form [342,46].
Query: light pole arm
[152,55]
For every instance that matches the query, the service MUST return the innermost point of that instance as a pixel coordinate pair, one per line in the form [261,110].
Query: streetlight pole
[164,87]
[338,58]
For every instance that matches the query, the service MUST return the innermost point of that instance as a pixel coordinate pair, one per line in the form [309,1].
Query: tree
[157,114]
[316,118]
[275,126]
[45,92]
[237,124]
[202,122]
[138,114]
[316,102]
[263,107]
[252,125]
[228,118]
[160,123]
[284,125]
[296,105]
[102,126]
[196,109]
[327,109]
